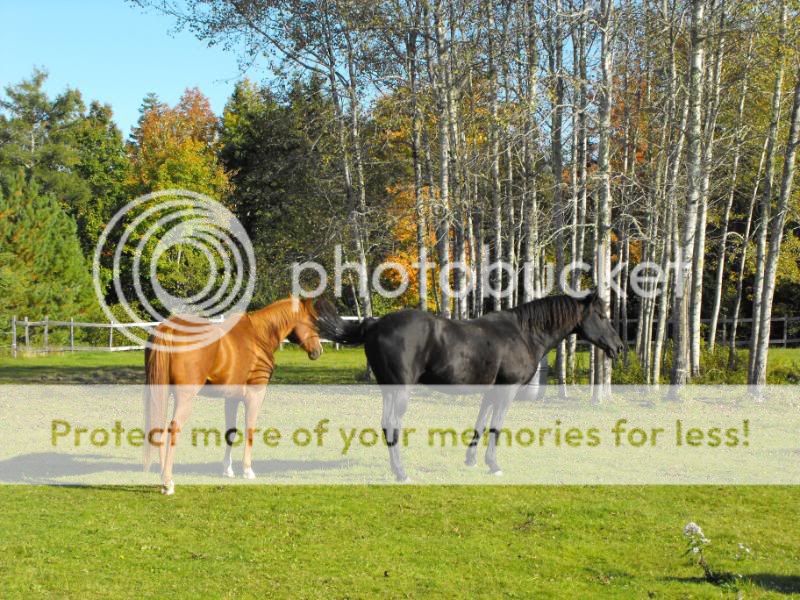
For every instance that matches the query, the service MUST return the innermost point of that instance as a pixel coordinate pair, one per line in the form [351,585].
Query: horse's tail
[332,327]
[156,394]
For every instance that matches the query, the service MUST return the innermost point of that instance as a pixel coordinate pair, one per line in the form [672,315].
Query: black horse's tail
[334,328]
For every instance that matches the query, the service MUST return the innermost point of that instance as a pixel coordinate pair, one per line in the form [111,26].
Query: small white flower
[692,529]
[695,549]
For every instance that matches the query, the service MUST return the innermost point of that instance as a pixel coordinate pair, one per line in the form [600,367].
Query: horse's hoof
[168,489]
[496,473]
[228,472]
[471,462]
[405,480]
[249,473]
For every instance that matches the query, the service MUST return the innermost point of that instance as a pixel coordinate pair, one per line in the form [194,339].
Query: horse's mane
[550,313]
[282,314]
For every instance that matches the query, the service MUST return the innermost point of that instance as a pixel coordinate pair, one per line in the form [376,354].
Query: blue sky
[111,51]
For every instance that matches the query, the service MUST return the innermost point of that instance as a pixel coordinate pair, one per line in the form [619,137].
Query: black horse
[501,349]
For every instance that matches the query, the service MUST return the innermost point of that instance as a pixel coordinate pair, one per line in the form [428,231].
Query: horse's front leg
[231,411]
[502,402]
[253,399]
[480,424]
[395,403]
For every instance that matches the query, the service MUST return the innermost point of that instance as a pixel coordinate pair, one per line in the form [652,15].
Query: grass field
[393,541]
[346,365]
[329,542]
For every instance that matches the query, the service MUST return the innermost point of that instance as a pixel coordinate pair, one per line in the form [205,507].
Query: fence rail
[23,342]
[783,332]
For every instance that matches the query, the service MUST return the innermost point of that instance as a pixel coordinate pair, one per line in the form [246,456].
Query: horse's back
[413,346]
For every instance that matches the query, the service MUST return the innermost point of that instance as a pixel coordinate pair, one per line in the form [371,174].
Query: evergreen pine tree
[42,269]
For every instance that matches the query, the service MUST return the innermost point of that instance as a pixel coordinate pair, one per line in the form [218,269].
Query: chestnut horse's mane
[283,314]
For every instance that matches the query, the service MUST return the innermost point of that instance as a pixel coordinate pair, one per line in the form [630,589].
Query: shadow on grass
[771,582]
[322,375]
[45,467]
[74,375]
[67,375]
[786,584]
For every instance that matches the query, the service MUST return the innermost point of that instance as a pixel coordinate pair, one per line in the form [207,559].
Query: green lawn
[393,541]
[293,366]
[346,365]
[354,542]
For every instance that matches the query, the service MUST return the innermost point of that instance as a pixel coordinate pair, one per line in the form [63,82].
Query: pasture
[335,367]
[398,541]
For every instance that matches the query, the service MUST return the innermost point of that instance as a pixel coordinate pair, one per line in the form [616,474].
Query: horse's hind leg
[183,409]
[231,411]
[502,401]
[395,403]
[480,424]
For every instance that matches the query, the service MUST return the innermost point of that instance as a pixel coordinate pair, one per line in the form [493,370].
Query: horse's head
[596,328]
[305,332]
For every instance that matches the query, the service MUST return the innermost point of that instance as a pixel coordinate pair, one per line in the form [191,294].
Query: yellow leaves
[177,147]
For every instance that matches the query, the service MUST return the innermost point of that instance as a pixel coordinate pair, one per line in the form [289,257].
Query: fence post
[46,331]
[27,336]
[14,336]
[785,330]
[72,334]
[110,336]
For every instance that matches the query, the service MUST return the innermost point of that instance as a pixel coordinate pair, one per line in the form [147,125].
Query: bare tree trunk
[663,297]
[578,171]
[416,144]
[442,213]
[775,238]
[510,229]
[603,240]
[666,172]
[510,226]
[573,241]
[480,262]
[698,262]
[494,158]
[346,163]
[672,243]
[723,244]
[743,260]
[361,218]
[623,299]
[556,51]
[694,159]
[766,202]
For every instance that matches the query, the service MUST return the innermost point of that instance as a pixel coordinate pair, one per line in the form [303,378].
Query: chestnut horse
[238,357]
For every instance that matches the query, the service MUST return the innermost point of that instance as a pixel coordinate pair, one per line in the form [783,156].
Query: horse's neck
[549,340]
[273,324]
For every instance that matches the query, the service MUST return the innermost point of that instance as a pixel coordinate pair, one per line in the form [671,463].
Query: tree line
[546,131]
[611,131]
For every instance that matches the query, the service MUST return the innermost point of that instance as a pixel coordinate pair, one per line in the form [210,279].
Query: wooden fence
[21,335]
[785,332]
